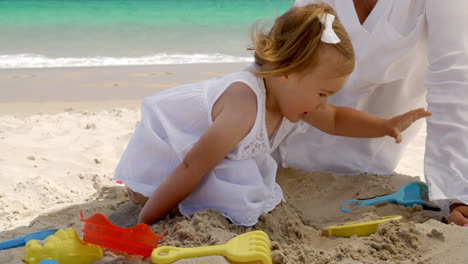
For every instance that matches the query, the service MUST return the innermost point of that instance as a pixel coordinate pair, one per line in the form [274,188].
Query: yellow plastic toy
[64,247]
[359,229]
[248,247]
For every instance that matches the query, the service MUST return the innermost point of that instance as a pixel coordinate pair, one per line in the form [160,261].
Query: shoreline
[103,83]
[26,92]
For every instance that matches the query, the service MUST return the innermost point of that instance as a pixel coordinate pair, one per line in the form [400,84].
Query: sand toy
[358,229]
[248,247]
[65,247]
[48,261]
[408,195]
[139,240]
[21,241]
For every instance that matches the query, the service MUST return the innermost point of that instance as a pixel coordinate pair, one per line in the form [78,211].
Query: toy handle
[48,261]
[12,243]
[175,253]
[381,199]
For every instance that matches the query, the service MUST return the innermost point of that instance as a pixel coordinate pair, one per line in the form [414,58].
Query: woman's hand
[458,214]
[400,123]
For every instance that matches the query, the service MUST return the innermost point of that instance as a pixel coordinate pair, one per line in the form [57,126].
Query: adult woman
[408,53]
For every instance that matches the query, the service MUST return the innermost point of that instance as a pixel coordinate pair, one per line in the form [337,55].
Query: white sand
[61,161]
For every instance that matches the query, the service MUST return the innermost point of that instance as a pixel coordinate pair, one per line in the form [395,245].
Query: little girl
[208,145]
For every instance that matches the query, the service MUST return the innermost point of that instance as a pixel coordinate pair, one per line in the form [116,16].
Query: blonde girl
[208,145]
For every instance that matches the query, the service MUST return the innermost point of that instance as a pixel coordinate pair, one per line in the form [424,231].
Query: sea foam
[40,61]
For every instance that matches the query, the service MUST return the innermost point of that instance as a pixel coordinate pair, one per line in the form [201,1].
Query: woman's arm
[349,122]
[446,81]
[237,114]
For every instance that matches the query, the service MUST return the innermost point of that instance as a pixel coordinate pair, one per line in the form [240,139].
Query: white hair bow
[329,35]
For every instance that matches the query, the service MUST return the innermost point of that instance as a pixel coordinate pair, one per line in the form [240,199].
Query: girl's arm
[349,122]
[234,115]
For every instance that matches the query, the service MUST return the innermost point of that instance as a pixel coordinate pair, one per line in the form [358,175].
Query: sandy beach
[63,130]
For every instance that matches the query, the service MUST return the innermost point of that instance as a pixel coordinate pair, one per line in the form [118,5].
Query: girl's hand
[400,123]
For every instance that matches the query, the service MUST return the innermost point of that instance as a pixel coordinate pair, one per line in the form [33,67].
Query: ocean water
[67,33]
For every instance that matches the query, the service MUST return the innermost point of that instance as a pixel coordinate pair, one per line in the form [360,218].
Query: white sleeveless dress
[241,187]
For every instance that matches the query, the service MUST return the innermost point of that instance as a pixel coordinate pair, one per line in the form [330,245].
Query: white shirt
[408,54]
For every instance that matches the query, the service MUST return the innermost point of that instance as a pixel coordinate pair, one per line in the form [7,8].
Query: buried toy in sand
[248,247]
[357,228]
[413,193]
[21,241]
[64,247]
[139,240]
[408,195]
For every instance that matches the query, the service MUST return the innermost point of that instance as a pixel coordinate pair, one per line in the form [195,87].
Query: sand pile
[62,163]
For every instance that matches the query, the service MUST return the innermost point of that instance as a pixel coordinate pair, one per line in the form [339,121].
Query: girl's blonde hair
[293,43]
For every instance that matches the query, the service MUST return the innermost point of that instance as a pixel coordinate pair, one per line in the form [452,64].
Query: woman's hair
[294,42]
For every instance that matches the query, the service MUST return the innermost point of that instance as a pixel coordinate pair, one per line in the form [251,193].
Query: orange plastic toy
[139,240]
[65,247]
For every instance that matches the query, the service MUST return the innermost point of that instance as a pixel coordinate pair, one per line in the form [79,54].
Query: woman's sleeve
[446,81]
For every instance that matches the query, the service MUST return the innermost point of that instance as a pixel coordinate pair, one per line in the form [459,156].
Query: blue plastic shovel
[408,195]
[21,241]
[48,261]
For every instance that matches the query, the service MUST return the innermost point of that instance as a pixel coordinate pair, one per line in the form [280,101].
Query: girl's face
[307,92]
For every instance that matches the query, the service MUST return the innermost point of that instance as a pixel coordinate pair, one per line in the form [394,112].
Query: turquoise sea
[65,33]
